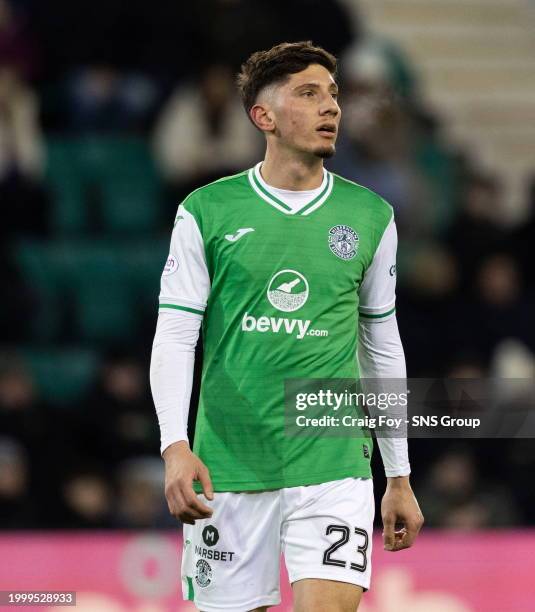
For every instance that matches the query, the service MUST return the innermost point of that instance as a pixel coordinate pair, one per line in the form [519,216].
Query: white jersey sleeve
[185,283]
[378,289]
[380,352]
[380,356]
[185,286]
[171,372]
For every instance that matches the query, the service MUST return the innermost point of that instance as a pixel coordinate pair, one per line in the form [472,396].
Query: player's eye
[308,93]
[335,96]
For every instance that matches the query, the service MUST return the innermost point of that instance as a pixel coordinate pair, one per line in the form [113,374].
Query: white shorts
[231,561]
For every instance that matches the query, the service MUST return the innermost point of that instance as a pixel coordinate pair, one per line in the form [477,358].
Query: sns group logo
[287,291]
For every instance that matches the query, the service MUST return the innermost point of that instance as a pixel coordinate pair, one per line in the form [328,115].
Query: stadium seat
[42,266]
[145,265]
[92,290]
[103,184]
[128,186]
[65,179]
[100,292]
[62,375]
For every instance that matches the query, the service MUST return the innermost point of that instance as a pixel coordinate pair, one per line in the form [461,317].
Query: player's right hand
[182,467]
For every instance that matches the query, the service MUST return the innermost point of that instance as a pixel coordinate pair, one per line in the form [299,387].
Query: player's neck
[284,171]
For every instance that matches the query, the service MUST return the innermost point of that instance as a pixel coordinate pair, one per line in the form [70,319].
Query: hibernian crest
[203,574]
[343,241]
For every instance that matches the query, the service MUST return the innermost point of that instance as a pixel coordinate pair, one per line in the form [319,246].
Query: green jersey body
[283,303]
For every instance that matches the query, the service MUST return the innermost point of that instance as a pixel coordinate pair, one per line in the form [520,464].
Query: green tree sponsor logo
[288,290]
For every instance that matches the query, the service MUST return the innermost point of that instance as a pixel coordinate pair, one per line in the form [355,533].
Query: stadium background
[110,112]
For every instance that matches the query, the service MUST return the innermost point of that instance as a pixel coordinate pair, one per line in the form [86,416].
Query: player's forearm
[171,374]
[381,357]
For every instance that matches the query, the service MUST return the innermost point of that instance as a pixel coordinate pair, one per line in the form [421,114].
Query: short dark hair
[276,64]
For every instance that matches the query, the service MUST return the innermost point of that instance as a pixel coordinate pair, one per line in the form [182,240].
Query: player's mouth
[327,130]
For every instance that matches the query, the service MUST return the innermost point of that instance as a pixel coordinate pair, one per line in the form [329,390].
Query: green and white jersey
[280,289]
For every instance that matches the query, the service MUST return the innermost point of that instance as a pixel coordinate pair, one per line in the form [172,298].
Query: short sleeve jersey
[280,292]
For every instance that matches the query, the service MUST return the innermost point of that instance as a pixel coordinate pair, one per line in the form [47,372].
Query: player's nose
[329,106]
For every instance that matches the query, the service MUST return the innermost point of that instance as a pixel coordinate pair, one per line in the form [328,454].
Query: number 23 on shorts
[345,533]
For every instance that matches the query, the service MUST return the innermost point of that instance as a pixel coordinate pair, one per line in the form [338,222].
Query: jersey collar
[261,188]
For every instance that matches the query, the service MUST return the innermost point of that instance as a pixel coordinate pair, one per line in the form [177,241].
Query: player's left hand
[399,507]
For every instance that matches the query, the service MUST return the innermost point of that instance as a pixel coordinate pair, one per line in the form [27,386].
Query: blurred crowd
[109,115]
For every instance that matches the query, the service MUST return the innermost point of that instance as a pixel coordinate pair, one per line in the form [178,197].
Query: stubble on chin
[325,152]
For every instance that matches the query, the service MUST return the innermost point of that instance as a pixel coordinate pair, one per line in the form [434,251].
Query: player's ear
[262,117]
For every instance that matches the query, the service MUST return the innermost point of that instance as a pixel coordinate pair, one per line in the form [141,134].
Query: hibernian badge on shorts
[203,575]
[343,241]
